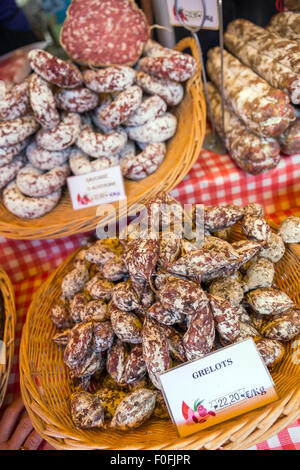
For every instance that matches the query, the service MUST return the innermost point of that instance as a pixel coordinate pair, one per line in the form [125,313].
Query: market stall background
[214,179]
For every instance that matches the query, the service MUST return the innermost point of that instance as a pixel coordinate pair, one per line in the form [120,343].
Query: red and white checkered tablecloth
[214,180]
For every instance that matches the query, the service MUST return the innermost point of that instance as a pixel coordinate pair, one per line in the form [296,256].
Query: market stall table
[213,180]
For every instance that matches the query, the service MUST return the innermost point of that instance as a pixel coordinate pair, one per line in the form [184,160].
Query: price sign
[93,189]
[191,13]
[219,386]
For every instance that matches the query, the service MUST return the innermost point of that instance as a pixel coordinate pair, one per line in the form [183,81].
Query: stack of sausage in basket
[131,308]
[261,91]
[76,118]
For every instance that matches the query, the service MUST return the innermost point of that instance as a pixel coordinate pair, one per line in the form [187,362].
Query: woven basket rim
[237,433]
[173,169]
[7,290]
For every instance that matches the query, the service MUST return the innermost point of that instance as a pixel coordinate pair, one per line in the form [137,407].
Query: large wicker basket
[182,151]
[9,331]
[45,386]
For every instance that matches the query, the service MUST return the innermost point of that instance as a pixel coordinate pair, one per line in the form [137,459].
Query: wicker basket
[45,386]
[182,151]
[9,331]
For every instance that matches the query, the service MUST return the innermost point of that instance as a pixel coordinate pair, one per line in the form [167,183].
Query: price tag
[219,386]
[191,13]
[2,353]
[99,187]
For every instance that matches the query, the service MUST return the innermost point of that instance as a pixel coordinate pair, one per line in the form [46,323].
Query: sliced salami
[100,33]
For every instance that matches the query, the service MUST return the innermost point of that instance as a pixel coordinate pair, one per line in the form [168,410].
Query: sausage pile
[62,121]
[134,307]
[261,89]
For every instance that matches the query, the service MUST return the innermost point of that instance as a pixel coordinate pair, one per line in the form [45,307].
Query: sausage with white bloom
[151,108]
[54,70]
[27,207]
[43,102]
[33,182]
[63,136]
[170,91]
[9,172]
[16,130]
[76,100]
[177,67]
[110,79]
[158,130]
[15,101]
[137,167]
[82,164]
[125,104]
[8,153]
[98,145]
[43,159]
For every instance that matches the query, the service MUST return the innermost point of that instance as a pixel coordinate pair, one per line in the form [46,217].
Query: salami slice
[104,32]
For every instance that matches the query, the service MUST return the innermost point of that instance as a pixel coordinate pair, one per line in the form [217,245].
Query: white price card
[2,353]
[99,187]
[191,13]
[221,385]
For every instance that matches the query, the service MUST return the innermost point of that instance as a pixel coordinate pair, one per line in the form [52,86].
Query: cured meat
[15,101]
[137,167]
[27,207]
[110,79]
[54,70]
[43,103]
[282,50]
[289,140]
[170,91]
[286,24]
[177,67]
[104,32]
[76,100]
[250,152]
[278,75]
[265,110]
[125,104]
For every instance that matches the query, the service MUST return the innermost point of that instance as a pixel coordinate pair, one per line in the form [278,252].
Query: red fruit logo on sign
[180,13]
[84,200]
[197,414]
